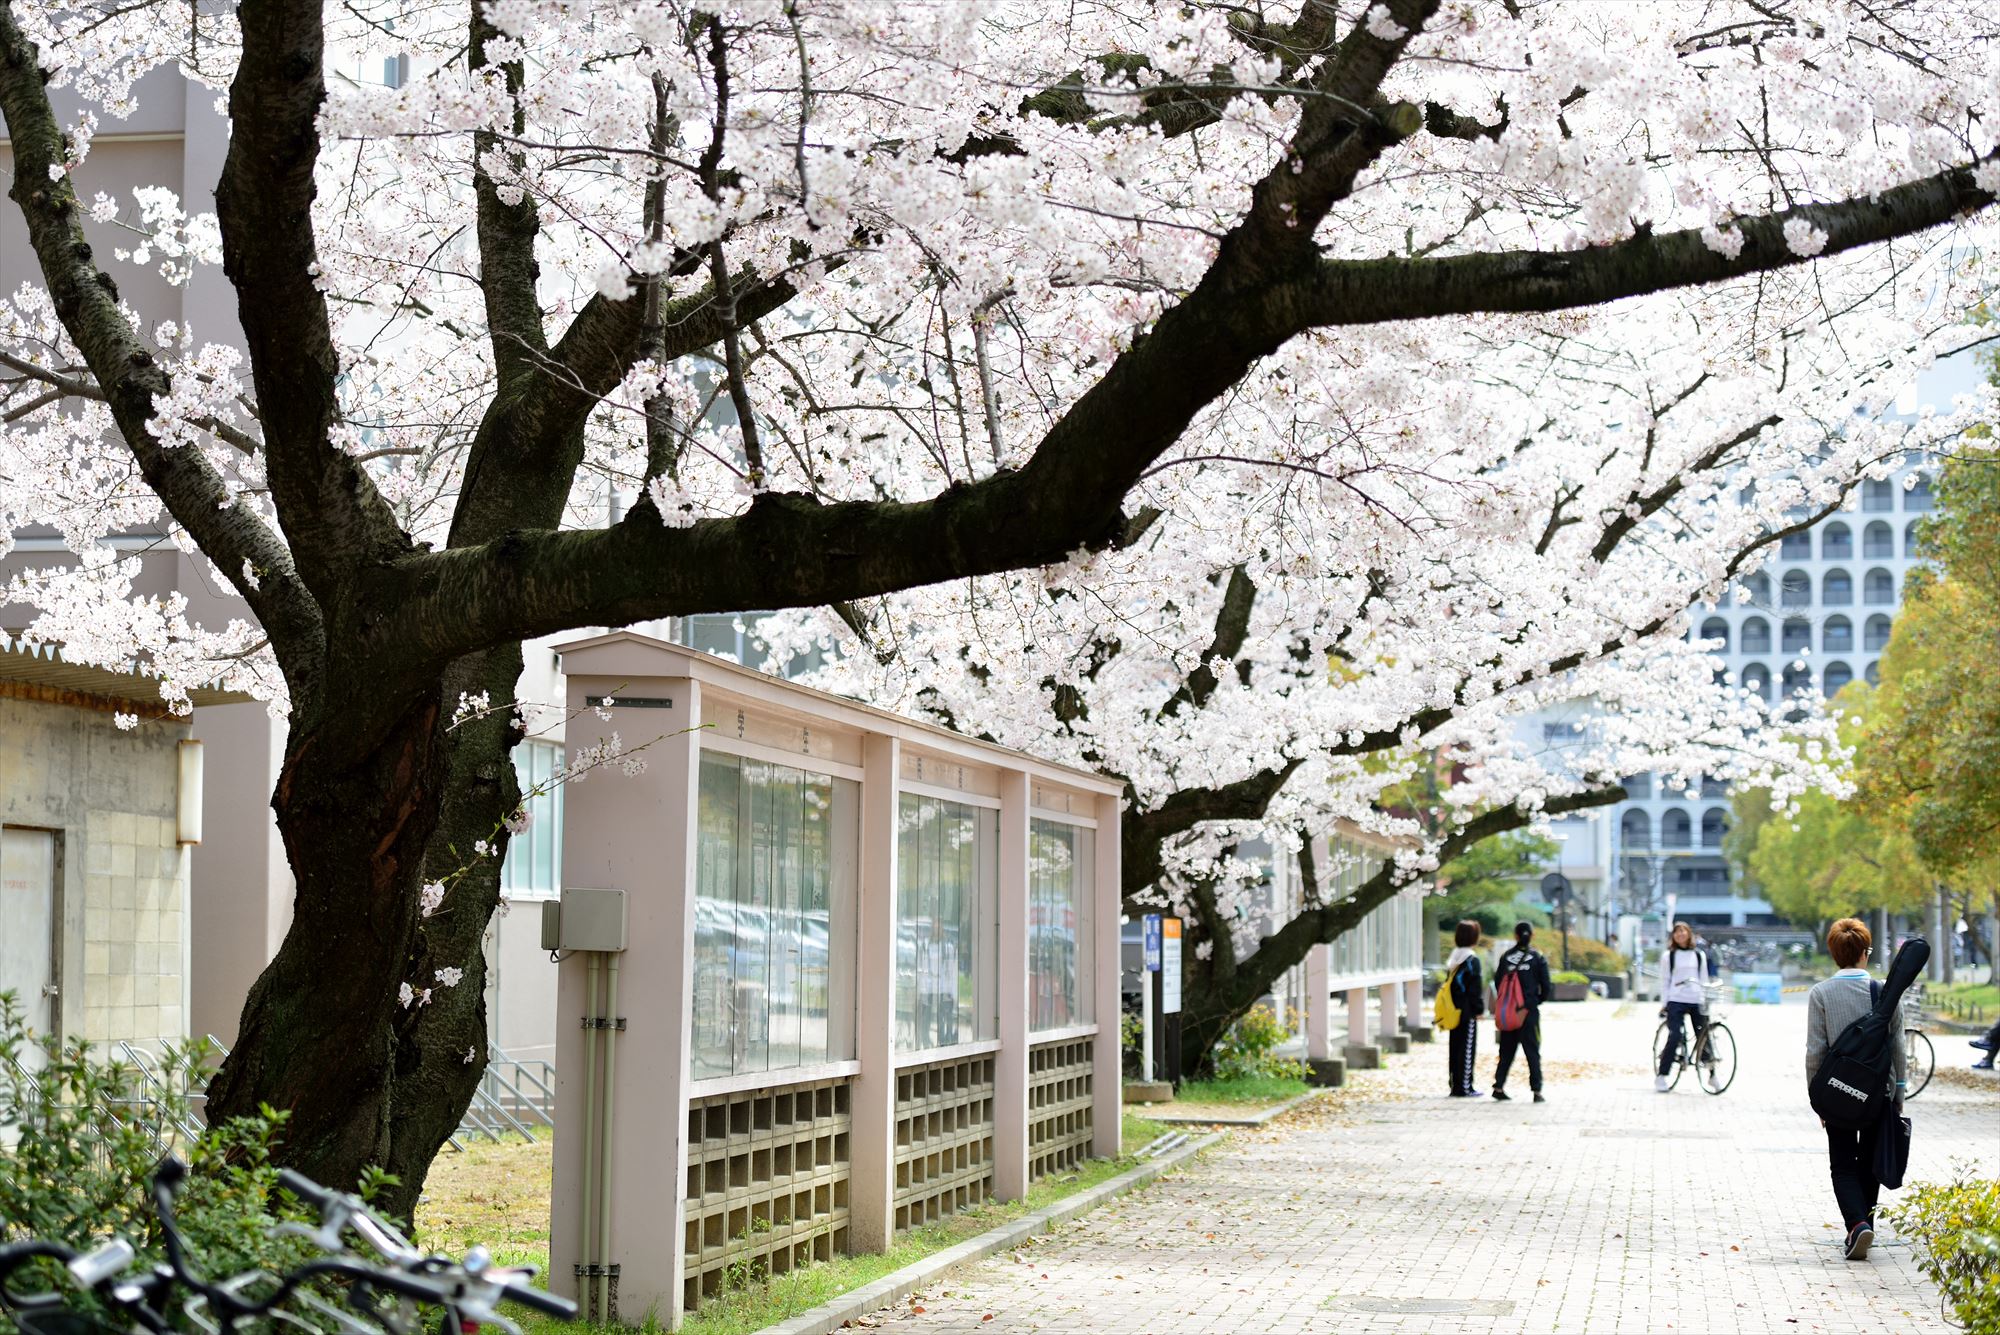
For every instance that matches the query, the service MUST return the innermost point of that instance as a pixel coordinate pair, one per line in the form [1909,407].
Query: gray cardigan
[1831,1006]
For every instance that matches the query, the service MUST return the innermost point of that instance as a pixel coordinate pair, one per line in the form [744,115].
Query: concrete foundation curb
[893,1288]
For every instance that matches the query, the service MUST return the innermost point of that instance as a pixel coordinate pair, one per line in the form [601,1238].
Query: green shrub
[81,1164]
[1956,1228]
[1584,953]
[1248,1050]
[1568,976]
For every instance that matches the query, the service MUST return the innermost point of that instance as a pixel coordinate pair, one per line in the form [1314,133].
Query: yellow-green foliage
[1830,857]
[1956,1228]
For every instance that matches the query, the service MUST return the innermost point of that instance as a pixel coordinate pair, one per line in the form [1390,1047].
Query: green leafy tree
[1830,861]
[1932,754]
[1830,857]
[1490,874]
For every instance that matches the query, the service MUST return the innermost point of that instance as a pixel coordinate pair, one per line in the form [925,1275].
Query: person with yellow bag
[1461,1000]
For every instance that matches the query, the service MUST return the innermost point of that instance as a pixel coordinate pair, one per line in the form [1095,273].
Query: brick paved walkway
[1393,1208]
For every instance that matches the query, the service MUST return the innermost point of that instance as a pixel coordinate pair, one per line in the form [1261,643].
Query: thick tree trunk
[441,1049]
[369,1081]
[320,1028]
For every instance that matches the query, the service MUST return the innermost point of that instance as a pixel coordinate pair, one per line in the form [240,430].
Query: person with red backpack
[1520,986]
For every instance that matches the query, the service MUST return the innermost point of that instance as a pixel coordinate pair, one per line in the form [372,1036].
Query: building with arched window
[1810,622]
[1676,830]
[1714,822]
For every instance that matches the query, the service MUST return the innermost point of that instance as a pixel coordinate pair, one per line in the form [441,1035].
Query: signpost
[1150,935]
[1163,958]
[1555,889]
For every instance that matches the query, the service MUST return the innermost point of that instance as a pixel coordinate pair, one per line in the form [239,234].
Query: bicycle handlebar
[548,1304]
[468,1290]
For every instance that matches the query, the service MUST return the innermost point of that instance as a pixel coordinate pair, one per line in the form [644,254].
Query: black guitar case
[1854,1087]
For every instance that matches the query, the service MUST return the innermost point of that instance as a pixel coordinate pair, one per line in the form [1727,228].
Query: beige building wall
[111,798]
[242,885]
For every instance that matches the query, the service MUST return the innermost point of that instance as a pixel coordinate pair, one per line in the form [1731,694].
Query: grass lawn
[1245,1090]
[499,1195]
[1973,994]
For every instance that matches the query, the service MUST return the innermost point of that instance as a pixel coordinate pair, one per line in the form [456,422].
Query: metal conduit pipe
[608,1106]
[587,1256]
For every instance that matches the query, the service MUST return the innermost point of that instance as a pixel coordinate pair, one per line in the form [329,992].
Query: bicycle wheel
[1919,1060]
[1660,1046]
[1715,1057]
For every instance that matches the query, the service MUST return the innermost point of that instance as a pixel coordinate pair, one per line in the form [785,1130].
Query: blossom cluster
[954,215]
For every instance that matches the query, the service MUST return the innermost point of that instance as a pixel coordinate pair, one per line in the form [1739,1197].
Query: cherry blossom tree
[1361,631]
[853,298]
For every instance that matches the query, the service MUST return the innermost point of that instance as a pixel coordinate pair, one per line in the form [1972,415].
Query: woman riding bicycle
[1683,969]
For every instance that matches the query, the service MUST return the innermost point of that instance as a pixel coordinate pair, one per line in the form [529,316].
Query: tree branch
[127,377]
[1288,945]
[507,269]
[328,507]
[1353,292]
[1263,288]
[1232,626]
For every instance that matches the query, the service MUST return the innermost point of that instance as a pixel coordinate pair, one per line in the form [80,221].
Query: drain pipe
[609,1106]
[588,1260]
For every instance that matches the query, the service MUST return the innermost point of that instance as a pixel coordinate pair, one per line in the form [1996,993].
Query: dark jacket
[1533,966]
[1468,992]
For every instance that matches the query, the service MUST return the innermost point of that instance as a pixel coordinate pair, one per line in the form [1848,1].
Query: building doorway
[30,918]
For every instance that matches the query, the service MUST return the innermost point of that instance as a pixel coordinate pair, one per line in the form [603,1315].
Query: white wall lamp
[187,810]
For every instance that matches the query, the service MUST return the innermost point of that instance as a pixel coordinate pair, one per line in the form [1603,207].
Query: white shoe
[1660,1083]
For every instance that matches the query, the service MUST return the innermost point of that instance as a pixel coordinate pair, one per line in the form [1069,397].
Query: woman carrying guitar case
[1854,1073]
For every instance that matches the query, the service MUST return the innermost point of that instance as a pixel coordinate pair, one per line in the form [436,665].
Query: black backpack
[1853,1088]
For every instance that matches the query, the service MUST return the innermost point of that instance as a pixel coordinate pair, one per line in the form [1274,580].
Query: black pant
[1851,1157]
[1464,1043]
[1528,1039]
[1675,1011]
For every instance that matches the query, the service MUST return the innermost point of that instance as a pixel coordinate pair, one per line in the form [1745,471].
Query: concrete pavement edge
[893,1288]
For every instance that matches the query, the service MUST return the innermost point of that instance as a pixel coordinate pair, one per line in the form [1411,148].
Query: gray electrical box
[584,919]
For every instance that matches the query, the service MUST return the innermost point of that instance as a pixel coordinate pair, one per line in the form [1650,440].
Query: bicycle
[1712,1052]
[1919,1057]
[389,1295]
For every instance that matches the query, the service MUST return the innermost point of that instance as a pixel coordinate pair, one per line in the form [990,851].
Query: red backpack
[1510,1007]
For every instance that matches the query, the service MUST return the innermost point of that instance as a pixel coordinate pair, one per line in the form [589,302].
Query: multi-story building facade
[1816,617]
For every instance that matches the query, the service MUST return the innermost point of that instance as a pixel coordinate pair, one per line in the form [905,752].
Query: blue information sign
[1152,939]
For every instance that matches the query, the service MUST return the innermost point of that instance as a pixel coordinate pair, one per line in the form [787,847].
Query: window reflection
[946,873]
[774,863]
[533,867]
[1059,882]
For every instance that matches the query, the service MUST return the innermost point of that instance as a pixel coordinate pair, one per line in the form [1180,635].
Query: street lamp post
[1555,889]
